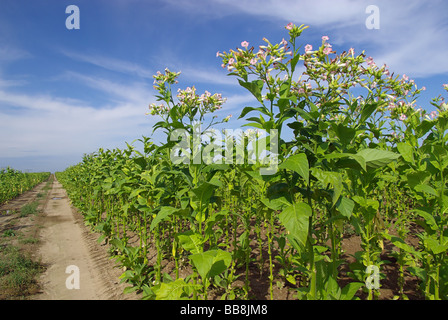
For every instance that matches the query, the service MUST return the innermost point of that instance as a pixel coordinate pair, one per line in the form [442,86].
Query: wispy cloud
[10,53]
[111,63]
[136,92]
[46,125]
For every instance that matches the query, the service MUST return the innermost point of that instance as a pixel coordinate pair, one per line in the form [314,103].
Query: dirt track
[66,241]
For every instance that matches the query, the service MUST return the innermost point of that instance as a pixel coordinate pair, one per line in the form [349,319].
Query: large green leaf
[255,87]
[211,263]
[434,245]
[204,192]
[423,128]
[429,219]
[174,290]
[344,133]
[417,178]
[163,214]
[295,219]
[427,189]
[367,111]
[191,241]
[277,203]
[349,291]
[406,151]
[329,177]
[345,206]
[376,158]
[297,163]
[359,159]
[246,110]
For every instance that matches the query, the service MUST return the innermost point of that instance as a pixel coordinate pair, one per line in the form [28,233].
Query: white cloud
[112,64]
[10,53]
[32,125]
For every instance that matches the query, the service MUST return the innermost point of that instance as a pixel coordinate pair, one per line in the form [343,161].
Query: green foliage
[13,182]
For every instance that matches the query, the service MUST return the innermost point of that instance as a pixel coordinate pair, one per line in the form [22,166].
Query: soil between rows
[63,241]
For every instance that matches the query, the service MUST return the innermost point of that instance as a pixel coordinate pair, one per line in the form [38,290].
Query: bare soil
[63,241]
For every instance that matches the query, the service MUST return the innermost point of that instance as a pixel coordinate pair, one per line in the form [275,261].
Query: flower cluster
[190,105]
[160,79]
[206,102]
[247,61]
[157,109]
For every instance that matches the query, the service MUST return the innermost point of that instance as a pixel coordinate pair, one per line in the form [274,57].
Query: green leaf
[295,219]
[211,263]
[376,158]
[294,61]
[406,152]
[246,110]
[429,219]
[349,291]
[434,245]
[204,191]
[345,206]
[254,87]
[329,177]
[424,127]
[359,159]
[190,241]
[297,163]
[416,178]
[344,133]
[399,243]
[174,290]
[427,189]
[163,214]
[367,111]
[276,203]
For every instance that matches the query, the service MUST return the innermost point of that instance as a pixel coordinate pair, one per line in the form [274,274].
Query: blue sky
[65,92]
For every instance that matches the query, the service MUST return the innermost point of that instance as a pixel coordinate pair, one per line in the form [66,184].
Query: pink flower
[231,61]
[445,86]
[289,26]
[403,117]
[218,53]
[433,114]
[327,51]
[245,44]
[325,38]
[369,61]
[308,48]
[405,77]
[253,61]
[351,51]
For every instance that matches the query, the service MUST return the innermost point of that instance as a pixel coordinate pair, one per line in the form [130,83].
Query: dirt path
[65,241]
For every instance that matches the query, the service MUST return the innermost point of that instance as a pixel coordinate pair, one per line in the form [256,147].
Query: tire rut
[66,241]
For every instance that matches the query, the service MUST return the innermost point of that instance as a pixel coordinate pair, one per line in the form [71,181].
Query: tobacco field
[14,182]
[352,153]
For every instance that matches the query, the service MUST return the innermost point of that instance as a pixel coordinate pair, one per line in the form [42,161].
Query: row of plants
[188,220]
[14,182]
